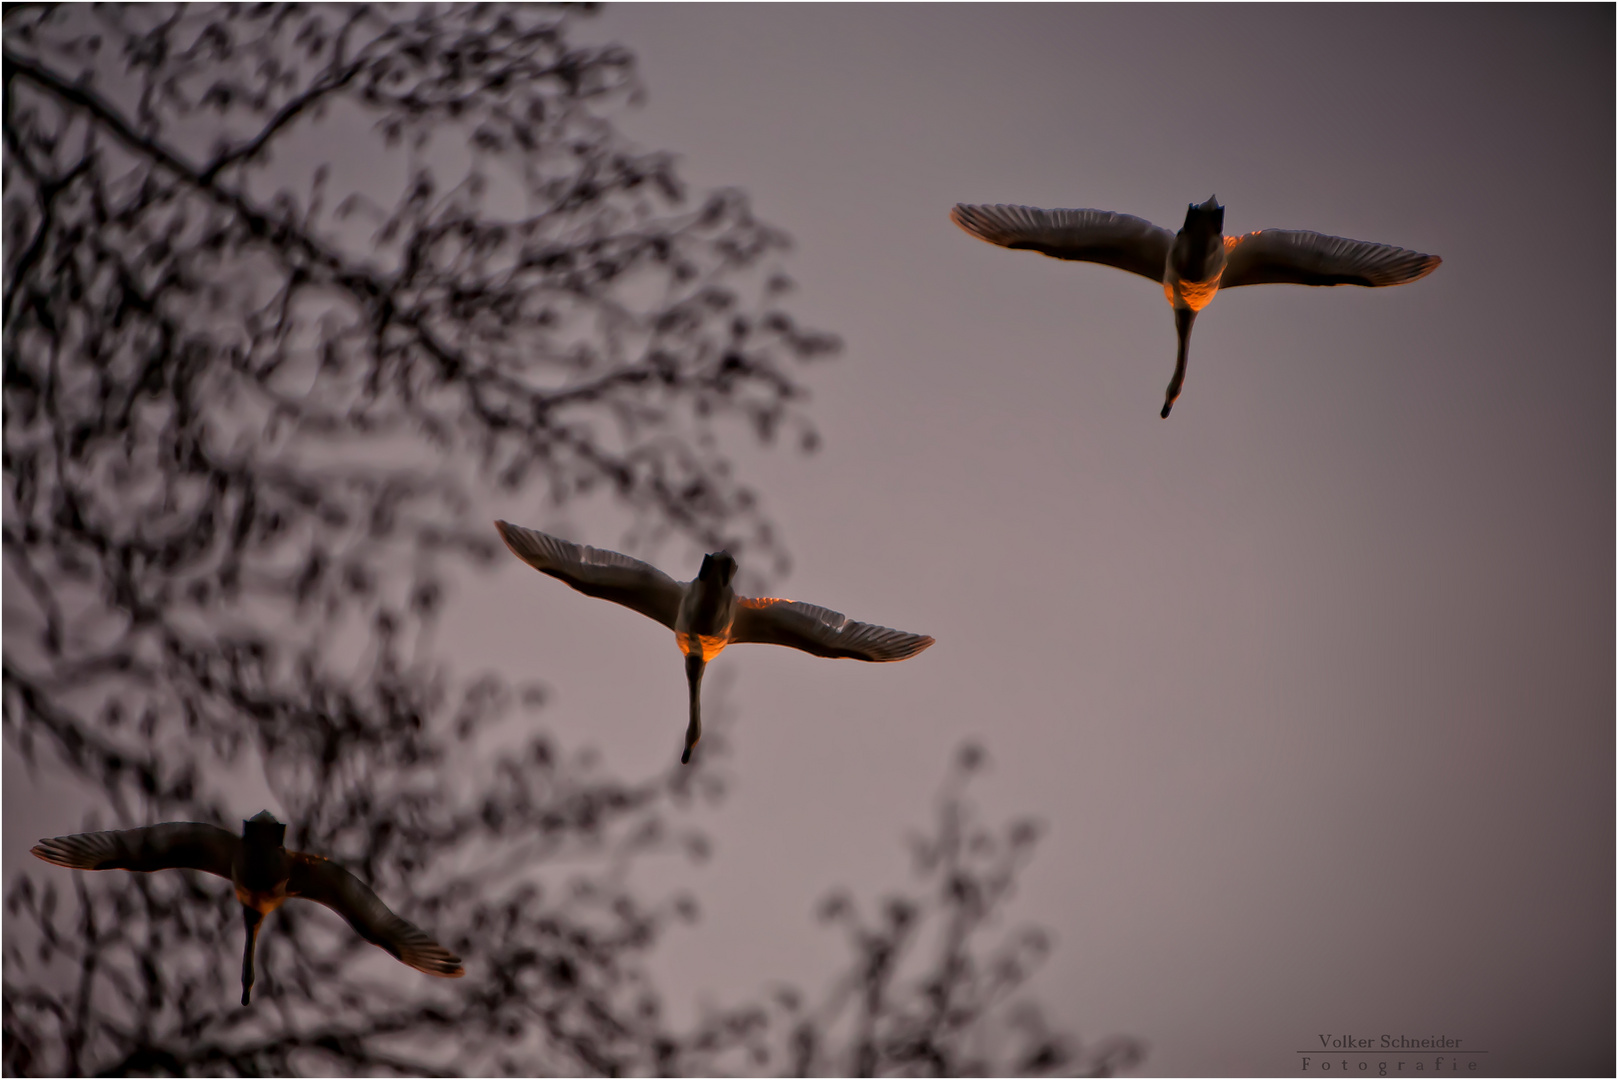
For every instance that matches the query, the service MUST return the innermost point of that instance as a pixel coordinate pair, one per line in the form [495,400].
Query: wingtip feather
[431,958]
[966,219]
[61,851]
[411,946]
[446,967]
[521,543]
[925,643]
[899,645]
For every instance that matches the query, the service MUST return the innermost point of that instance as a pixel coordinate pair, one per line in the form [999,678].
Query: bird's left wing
[1282,256]
[1098,236]
[820,631]
[174,845]
[596,572]
[323,881]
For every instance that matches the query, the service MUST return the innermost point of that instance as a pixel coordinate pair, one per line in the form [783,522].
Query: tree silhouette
[287,288]
[928,984]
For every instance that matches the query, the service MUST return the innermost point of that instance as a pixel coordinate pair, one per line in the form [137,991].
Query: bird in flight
[706,614]
[1199,260]
[265,875]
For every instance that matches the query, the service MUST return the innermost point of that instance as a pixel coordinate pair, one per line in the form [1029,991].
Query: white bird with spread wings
[1199,260]
[706,614]
[265,875]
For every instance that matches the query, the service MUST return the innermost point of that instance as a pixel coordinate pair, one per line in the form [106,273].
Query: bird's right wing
[821,631]
[173,845]
[323,881]
[1129,243]
[597,572]
[1286,257]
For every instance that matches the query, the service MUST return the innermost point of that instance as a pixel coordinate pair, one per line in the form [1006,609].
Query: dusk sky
[1312,683]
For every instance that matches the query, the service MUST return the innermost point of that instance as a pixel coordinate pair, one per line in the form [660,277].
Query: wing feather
[821,631]
[596,572]
[173,845]
[1098,236]
[1282,256]
[323,881]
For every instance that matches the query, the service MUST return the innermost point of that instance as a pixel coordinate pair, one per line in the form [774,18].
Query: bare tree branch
[252,394]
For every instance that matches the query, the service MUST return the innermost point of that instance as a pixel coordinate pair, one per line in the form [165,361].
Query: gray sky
[1313,682]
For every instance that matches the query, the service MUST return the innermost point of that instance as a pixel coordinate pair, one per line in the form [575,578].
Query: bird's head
[262,830]
[1209,217]
[718,567]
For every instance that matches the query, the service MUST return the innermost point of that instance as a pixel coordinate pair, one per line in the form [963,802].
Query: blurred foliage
[286,288]
[930,987]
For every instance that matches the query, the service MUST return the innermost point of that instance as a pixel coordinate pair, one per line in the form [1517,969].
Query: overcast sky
[1312,683]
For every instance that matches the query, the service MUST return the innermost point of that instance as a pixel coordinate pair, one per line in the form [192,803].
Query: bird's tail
[694,666]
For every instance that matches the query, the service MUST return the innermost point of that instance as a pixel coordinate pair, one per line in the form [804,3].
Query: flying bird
[265,875]
[1199,260]
[706,614]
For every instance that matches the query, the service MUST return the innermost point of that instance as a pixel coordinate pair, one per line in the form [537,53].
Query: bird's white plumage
[174,845]
[607,575]
[641,586]
[822,631]
[325,882]
[1198,262]
[1296,257]
[706,615]
[1098,236]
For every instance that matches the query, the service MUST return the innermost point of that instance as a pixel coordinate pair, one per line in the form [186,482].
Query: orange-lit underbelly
[701,645]
[262,902]
[1192,294]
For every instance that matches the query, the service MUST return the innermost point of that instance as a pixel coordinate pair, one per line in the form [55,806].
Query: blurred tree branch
[287,288]
[931,990]
[247,408]
[219,405]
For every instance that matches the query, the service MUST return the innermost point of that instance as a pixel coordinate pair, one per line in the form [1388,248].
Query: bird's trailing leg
[693,675]
[251,918]
[1183,318]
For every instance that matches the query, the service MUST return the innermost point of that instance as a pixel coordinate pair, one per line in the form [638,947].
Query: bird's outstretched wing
[1282,256]
[820,631]
[596,572]
[173,845]
[1098,236]
[323,881]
